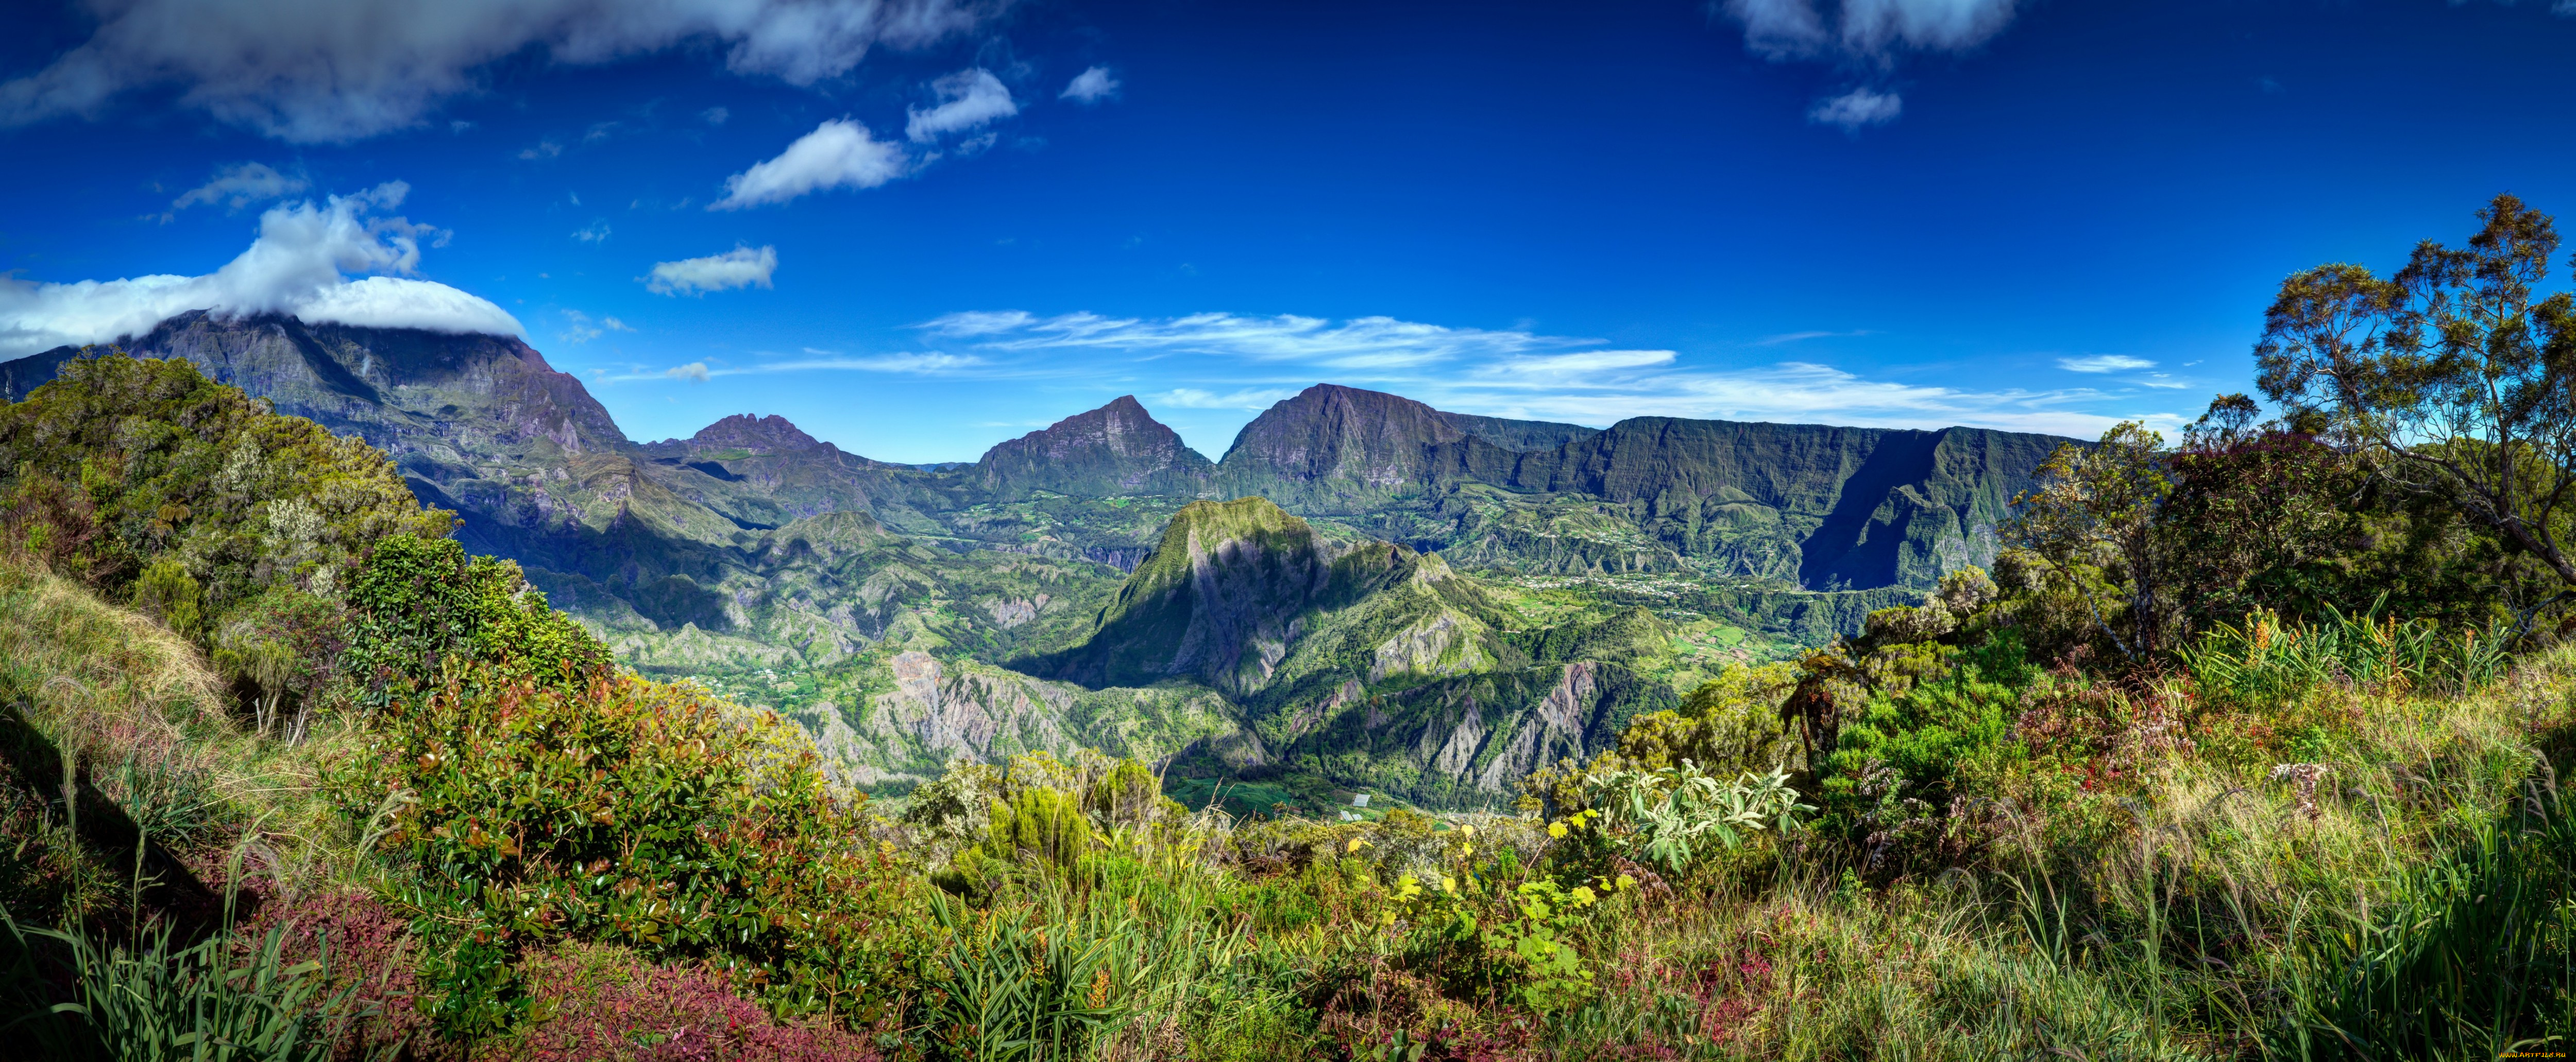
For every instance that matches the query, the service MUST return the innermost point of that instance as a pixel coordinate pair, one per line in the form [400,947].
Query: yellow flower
[1356,845]
[1469,831]
[1448,884]
[1466,849]
[1556,830]
[1583,895]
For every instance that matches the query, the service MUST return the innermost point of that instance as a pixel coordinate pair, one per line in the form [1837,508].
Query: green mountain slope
[1380,609]
[1367,664]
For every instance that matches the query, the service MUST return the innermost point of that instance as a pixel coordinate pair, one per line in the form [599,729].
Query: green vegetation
[2151,786]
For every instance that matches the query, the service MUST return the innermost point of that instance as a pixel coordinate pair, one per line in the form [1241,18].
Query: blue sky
[905,228]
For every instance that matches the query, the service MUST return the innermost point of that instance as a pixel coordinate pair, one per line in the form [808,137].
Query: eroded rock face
[942,711]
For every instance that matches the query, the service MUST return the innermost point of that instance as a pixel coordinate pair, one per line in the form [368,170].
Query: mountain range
[1346,598]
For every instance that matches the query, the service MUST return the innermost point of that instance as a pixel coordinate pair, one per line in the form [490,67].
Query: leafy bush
[630,812]
[121,467]
[1660,816]
[421,603]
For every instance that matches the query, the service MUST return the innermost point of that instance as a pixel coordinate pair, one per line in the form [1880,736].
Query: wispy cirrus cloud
[1249,398]
[1511,372]
[1801,337]
[2099,363]
[1360,343]
[238,186]
[1238,364]
[812,360]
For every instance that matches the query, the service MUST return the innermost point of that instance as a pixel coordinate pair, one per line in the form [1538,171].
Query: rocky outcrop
[942,711]
[1115,450]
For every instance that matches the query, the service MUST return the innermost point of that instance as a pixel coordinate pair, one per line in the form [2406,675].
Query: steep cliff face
[1338,450]
[1117,449]
[1823,507]
[1827,507]
[1518,435]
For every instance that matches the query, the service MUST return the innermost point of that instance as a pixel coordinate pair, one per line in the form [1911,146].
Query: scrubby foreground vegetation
[2246,748]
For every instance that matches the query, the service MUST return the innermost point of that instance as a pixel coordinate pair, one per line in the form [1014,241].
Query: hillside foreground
[290,775]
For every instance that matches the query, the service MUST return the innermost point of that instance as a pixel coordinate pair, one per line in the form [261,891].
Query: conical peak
[751,431]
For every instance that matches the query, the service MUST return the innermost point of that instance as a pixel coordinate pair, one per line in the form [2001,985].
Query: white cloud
[297,265]
[1556,370]
[1801,337]
[1864,35]
[1866,29]
[2104,363]
[239,186]
[837,154]
[967,99]
[340,70]
[545,149]
[1095,85]
[715,115]
[741,267]
[579,328]
[595,232]
[1509,373]
[1366,342]
[1857,108]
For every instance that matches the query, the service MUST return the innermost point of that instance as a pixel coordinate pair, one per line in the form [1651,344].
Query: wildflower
[1356,845]
[1556,830]
[1468,831]
[1448,884]
[1100,988]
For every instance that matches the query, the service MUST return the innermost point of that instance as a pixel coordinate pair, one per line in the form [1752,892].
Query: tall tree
[2454,375]
[2095,509]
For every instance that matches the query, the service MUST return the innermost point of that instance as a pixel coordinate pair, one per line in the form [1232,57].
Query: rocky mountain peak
[1117,449]
[753,432]
[1341,449]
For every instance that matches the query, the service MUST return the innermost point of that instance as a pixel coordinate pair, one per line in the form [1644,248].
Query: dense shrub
[421,603]
[121,464]
[646,815]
